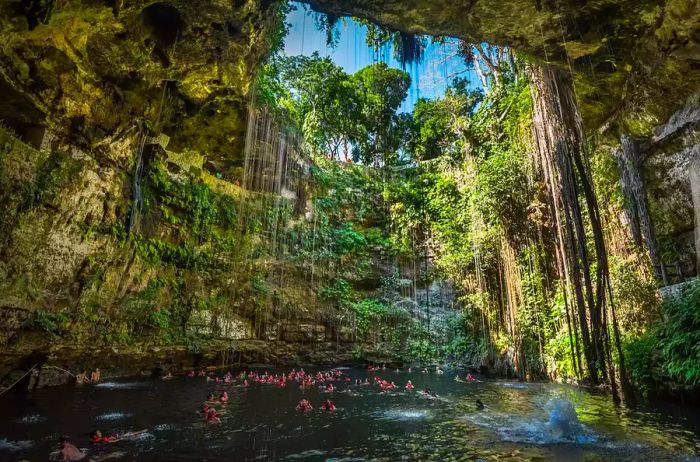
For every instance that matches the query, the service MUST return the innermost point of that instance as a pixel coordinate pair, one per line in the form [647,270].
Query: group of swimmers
[69,452]
[304,405]
[305,380]
[82,377]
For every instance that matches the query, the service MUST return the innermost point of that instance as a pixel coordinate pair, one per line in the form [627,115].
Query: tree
[324,102]
[443,126]
[381,91]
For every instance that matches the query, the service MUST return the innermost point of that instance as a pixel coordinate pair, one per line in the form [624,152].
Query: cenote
[520,421]
[508,190]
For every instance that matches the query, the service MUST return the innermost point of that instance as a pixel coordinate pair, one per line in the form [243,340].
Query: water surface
[260,422]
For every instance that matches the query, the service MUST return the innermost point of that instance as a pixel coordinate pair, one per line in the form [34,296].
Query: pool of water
[260,423]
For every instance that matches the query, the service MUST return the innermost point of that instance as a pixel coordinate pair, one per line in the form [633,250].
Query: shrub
[680,341]
[643,360]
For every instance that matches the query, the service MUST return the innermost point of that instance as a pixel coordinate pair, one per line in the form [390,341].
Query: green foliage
[643,361]
[338,113]
[669,351]
[635,294]
[52,322]
[368,315]
[680,335]
[559,349]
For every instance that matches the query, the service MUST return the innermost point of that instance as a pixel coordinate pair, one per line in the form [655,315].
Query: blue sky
[429,78]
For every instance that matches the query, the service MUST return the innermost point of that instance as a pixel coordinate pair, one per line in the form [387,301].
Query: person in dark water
[328,405]
[97,437]
[304,406]
[66,451]
[213,416]
[479,405]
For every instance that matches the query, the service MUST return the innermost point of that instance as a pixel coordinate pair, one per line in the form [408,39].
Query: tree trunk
[560,159]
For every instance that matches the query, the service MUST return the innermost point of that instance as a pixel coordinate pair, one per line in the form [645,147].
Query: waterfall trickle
[275,171]
[137,205]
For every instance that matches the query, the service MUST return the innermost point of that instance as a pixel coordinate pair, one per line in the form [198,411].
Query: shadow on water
[521,421]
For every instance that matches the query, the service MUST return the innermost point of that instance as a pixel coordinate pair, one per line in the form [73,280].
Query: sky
[430,78]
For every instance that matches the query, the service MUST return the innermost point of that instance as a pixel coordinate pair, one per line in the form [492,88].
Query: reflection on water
[120,385]
[31,419]
[112,416]
[519,422]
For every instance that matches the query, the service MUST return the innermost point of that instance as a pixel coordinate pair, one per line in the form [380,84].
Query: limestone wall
[695,188]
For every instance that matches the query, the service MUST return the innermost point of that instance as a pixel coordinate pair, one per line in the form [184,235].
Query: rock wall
[695,188]
[669,170]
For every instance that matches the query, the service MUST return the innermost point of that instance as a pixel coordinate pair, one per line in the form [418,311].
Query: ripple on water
[32,419]
[404,414]
[120,385]
[517,386]
[164,427]
[112,416]
[530,430]
[306,454]
[7,445]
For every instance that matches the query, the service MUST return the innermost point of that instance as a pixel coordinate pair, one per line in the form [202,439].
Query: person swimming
[479,405]
[213,416]
[97,437]
[328,405]
[67,451]
[245,384]
[470,378]
[428,393]
[82,378]
[304,406]
[223,397]
[409,386]
[329,388]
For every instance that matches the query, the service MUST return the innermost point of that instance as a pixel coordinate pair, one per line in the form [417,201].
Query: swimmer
[211,398]
[439,371]
[95,376]
[471,378]
[409,386]
[168,376]
[82,378]
[223,397]
[67,451]
[213,416]
[97,437]
[328,405]
[304,406]
[479,405]
[410,370]
[329,388]
[245,384]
